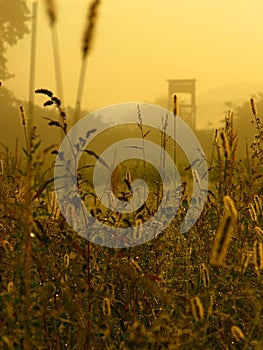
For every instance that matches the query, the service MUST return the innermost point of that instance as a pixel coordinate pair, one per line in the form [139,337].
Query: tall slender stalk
[23,122]
[86,47]
[32,66]
[56,56]
[175,113]
[52,15]
[27,227]
[80,89]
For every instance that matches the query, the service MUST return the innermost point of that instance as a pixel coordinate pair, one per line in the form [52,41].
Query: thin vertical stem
[27,221]
[174,127]
[32,67]
[57,62]
[80,89]
[86,47]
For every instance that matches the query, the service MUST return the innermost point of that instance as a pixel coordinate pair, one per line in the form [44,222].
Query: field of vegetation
[201,290]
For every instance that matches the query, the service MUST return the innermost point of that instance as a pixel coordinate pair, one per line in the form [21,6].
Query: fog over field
[140,44]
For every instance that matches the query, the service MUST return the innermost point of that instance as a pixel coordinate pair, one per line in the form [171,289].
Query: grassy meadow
[199,290]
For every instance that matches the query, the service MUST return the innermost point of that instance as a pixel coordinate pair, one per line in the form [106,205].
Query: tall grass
[199,290]
[88,38]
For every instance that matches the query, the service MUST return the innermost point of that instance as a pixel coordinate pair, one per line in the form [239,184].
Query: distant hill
[211,105]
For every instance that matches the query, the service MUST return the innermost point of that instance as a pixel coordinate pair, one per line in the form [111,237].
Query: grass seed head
[55,209]
[252,212]
[259,233]
[51,11]
[1,167]
[224,232]
[175,105]
[230,207]
[90,27]
[128,176]
[106,307]
[10,287]
[237,334]
[258,255]
[224,145]
[66,260]
[205,276]
[22,116]
[258,204]
[197,309]
[138,229]
[245,259]
[253,106]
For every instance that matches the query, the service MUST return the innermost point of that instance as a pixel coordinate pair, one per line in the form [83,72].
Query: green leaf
[36,145]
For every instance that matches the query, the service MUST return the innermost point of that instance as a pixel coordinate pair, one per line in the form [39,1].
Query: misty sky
[141,43]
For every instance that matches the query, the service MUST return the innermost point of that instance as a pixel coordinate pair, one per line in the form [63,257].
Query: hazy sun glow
[141,44]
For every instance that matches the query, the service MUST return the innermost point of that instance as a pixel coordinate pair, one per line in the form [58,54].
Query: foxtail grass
[224,233]
[51,11]
[24,125]
[258,256]
[237,334]
[205,276]
[1,167]
[245,259]
[252,212]
[197,309]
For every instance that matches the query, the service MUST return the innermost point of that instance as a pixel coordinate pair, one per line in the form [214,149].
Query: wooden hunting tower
[186,110]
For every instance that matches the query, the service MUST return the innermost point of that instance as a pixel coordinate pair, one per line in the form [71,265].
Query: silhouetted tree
[14,15]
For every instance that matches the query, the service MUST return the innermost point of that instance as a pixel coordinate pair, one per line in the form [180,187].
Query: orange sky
[141,43]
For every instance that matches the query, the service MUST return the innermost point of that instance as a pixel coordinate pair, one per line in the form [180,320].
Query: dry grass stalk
[66,260]
[55,209]
[253,106]
[51,11]
[252,212]
[138,229]
[224,147]
[90,27]
[128,177]
[10,287]
[23,116]
[1,167]
[24,122]
[205,276]
[259,233]
[224,233]
[86,46]
[8,248]
[106,307]
[244,262]
[197,309]
[127,180]
[216,136]
[175,105]
[258,203]
[237,334]
[258,255]
[52,16]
